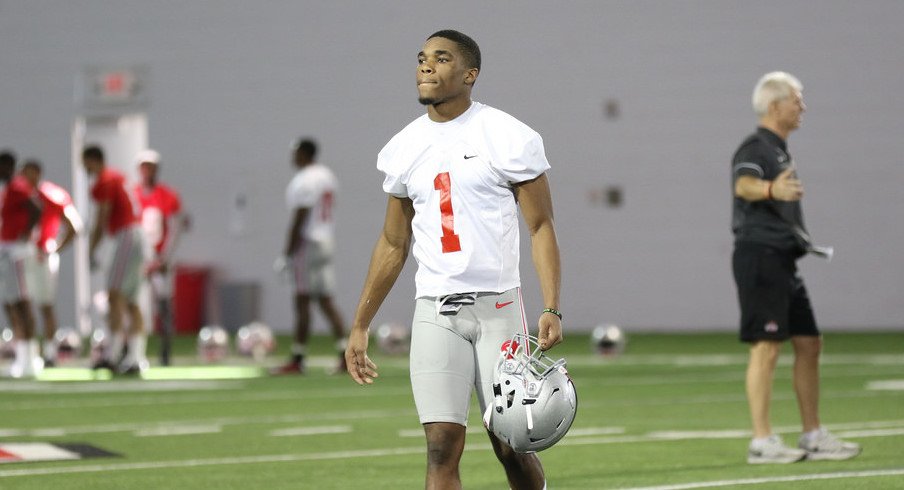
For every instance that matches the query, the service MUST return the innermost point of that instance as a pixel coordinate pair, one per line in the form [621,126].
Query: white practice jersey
[314,187]
[459,175]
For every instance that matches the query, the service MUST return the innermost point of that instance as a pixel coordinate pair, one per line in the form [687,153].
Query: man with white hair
[162,220]
[770,236]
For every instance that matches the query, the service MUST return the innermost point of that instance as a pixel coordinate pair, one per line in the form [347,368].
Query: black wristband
[553,311]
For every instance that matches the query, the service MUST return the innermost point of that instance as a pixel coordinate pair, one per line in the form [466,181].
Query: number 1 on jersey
[443,183]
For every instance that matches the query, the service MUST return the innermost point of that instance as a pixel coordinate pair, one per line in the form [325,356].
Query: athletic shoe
[288,369]
[773,451]
[103,364]
[825,446]
[133,368]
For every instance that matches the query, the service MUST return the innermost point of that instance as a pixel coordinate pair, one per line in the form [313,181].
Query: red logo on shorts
[771,327]
[503,305]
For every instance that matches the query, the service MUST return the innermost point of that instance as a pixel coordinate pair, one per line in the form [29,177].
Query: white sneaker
[133,367]
[773,451]
[825,446]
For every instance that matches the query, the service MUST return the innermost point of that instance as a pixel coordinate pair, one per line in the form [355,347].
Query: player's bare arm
[34,214]
[785,187]
[386,264]
[294,237]
[535,201]
[176,224]
[73,226]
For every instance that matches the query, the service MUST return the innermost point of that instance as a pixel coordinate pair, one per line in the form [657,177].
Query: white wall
[233,82]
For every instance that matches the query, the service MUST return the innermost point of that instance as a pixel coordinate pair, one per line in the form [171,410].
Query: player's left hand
[281,264]
[550,331]
[359,365]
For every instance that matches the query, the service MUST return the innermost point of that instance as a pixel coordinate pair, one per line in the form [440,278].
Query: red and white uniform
[314,187]
[15,214]
[44,267]
[156,206]
[459,175]
[110,188]
[125,268]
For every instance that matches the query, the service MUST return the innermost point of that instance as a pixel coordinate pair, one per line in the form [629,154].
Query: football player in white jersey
[456,178]
[309,251]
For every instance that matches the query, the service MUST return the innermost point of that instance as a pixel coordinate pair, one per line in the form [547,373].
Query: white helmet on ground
[534,400]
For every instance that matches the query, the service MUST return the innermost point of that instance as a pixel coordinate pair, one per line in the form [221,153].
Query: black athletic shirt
[779,224]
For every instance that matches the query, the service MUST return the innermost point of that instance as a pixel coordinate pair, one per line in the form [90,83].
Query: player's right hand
[360,367]
[787,187]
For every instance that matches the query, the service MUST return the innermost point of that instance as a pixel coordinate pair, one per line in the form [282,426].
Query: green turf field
[670,411]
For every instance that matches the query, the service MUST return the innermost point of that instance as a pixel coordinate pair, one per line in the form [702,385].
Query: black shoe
[132,370]
[103,364]
[49,363]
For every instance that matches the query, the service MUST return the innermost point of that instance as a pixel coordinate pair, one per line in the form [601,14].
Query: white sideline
[774,479]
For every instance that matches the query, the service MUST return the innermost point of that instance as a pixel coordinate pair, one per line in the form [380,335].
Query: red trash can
[189,297]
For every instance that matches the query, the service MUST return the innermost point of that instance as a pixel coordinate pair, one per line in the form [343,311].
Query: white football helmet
[534,400]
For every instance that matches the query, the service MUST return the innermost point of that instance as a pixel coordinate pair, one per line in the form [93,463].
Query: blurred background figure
[19,214]
[43,269]
[308,257]
[162,220]
[770,236]
[116,217]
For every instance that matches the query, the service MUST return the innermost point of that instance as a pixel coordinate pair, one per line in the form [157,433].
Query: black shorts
[773,298]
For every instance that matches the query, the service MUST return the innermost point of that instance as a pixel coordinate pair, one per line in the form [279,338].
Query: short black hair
[307,146]
[94,152]
[468,47]
[7,158]
[33,164]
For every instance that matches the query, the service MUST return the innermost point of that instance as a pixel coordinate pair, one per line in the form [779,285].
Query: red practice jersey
[15,213]
[110,187]
[158,204]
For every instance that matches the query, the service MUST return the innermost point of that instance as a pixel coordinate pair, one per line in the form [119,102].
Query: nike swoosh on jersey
[503,305]
[468,157]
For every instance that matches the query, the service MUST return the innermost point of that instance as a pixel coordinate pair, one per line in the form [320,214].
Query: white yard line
[220,421]
[688,360]
[178,430]
[774,479]
[117,386]
[311,431]
[886,385]
[183,399]
[272,458]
